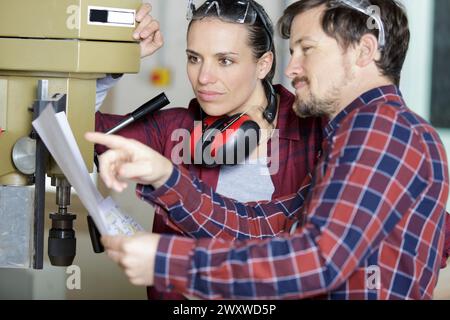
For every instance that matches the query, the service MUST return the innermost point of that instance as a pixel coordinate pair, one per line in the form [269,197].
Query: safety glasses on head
[239,11]
[235,11]
[365,7]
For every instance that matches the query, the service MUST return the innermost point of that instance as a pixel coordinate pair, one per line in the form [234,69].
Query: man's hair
[348,25]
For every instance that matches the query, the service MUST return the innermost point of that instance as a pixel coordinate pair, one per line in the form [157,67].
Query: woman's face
[221,67]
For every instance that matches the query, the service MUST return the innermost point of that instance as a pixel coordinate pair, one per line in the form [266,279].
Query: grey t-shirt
[246,182]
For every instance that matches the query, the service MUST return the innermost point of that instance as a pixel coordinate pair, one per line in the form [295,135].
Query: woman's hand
[128,159]
[135,255]
[147,31]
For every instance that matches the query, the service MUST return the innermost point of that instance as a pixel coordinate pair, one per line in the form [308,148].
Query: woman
[230,60]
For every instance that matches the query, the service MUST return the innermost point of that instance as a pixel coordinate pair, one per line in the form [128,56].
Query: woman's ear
[368,50]
[265,65]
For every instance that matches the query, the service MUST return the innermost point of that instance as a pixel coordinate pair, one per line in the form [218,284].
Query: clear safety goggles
[236,11]
[241,11]
[365,7]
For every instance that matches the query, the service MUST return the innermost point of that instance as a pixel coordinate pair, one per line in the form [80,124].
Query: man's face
[319,68]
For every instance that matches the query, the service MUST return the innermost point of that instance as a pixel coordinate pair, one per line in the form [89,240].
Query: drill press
[51,52]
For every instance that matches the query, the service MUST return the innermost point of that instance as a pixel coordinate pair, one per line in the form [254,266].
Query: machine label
[113,17]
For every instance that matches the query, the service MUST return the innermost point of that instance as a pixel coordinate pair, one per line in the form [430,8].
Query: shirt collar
[370,97]
[288,123]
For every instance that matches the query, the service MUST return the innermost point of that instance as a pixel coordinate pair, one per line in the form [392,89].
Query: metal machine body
[51,52]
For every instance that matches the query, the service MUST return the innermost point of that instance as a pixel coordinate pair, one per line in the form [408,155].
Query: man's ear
[265,64]
[368,50]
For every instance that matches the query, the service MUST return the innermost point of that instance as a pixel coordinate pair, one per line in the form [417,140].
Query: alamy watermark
[372,12]
[373,278]
[73,19]
[73,281]
[186,152]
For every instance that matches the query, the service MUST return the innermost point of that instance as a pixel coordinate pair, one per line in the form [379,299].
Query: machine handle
[151,106]
[95,236]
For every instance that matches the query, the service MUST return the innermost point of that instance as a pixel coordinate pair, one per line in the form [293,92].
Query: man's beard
[327,105]
[315,107]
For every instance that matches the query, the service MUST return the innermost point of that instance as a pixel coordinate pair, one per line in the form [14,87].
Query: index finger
[108,140]
[143,11]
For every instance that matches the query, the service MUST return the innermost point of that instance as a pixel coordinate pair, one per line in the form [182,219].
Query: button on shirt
[374,224]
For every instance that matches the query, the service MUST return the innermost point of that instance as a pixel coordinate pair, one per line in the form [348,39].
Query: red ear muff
[225,131]
[229,139]
[219,140]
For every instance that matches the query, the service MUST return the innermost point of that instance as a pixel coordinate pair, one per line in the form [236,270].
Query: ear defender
[229,140]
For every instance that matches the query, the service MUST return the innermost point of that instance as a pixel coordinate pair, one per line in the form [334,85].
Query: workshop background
[425,83]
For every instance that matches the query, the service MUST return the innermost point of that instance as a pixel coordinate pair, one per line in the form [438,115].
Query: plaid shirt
[376,211]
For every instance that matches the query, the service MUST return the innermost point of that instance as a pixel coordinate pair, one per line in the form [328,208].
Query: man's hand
[135,255]
[147,31]
[128,159]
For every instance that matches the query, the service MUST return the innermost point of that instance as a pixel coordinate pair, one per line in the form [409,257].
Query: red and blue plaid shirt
[376,211]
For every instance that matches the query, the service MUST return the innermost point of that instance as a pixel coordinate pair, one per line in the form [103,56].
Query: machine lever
[153,105]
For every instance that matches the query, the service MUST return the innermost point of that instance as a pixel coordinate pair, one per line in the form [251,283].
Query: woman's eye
[306,49]
[193,59]
[225,62]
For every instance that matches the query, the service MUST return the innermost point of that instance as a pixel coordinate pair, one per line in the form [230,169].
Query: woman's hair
[259,40]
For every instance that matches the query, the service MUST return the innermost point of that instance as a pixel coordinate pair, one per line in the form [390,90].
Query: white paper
[55,132]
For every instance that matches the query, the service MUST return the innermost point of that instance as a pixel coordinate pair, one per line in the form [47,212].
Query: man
[373,221]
